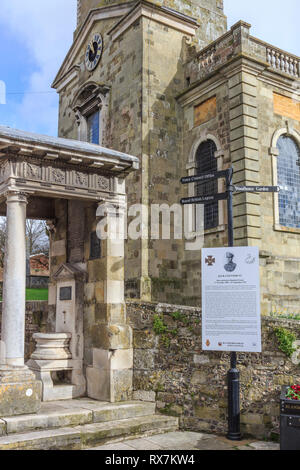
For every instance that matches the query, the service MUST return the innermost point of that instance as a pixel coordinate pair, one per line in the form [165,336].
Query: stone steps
[82,423]
[89,435]
[75,413]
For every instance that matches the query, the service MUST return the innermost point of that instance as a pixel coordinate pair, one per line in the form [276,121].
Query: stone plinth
[20,392]
[52,355]
[52,346]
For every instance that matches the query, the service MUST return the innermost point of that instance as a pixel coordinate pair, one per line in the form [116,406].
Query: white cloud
[46,29]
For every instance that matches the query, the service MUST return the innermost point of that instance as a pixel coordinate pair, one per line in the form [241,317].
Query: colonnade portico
[14,282]
[44,177]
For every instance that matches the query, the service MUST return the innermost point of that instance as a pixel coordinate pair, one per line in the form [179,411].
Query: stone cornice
[241,62]
[60,168]
[72,74]
[202,88]
[26,144]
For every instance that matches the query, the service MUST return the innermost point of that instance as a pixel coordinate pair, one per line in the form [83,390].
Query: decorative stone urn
[52,346]
[52,364]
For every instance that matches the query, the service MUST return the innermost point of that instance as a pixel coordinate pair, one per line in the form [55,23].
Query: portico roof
[72,151]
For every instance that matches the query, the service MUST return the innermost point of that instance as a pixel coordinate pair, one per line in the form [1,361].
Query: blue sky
[35,36]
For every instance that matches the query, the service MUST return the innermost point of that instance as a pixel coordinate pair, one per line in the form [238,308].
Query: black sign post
[234,431]
[233,376]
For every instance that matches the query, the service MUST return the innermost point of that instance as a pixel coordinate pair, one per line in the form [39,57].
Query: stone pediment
[69,69]
[68,271]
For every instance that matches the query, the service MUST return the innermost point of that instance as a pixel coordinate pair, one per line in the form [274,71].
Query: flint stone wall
[191,384]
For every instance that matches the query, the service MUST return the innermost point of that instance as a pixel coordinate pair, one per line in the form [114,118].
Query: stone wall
[143,117]
[172,369]
[36,320]
[250,118]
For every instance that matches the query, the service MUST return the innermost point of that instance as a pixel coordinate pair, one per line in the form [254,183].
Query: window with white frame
[288,174]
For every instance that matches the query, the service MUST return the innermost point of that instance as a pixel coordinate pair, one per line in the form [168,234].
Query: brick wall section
[287,107]
[35,321]
[191,384]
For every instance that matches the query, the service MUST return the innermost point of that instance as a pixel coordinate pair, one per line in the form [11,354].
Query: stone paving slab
[181,440]
[63,413]
[264,446]
[49,417]
[2,428]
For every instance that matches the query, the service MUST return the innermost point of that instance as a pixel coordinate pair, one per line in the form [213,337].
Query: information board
[231,299]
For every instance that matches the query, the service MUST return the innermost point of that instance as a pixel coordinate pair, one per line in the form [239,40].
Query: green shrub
[286,340]
[159,327]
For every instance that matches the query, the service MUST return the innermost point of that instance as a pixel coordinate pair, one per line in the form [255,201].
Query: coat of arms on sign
[210,260]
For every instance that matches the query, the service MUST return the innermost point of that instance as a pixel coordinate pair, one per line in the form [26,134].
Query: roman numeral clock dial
[94,52]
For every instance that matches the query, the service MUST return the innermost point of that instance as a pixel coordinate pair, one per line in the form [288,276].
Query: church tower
[209,14]
[118,87]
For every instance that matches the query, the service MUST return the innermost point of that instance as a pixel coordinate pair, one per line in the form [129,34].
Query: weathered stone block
[121,385]
[205,412]
[110,313]
[2,428]
[20,398]
[201,359]
[111,336]
[144,339]
[113,360]
[199,377]
[143,359]
[144,395]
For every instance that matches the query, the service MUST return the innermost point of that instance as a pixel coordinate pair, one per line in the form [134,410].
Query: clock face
[94,52]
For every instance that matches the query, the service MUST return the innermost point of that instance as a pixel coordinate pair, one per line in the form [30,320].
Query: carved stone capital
[16,196]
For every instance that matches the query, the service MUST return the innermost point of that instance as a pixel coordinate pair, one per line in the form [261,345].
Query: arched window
[288,172]
[206,162]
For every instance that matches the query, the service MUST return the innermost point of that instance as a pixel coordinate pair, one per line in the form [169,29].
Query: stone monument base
[20,392]
[52,355]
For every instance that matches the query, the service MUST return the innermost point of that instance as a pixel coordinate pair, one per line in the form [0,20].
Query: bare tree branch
[36,236]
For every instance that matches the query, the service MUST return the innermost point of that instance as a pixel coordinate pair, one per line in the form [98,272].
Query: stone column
[110,377]
[14,280]
[20,392]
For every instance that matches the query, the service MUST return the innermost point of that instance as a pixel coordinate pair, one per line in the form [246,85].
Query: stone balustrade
[207,58]
[233,43]
[283,62]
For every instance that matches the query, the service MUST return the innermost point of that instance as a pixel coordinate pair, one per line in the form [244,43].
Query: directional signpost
[234,433]
[212,175]
[204,199]
[256,189]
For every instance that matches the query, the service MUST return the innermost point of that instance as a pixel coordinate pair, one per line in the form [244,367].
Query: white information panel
[231,299]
